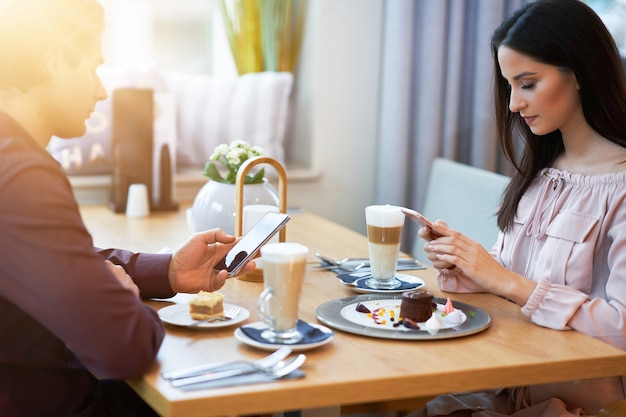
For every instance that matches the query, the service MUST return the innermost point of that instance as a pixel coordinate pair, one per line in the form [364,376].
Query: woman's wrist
[450,271]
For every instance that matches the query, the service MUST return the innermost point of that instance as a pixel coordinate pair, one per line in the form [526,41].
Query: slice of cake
[416,305]
[206,305]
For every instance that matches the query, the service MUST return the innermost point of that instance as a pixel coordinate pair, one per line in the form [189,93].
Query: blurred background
[380,87]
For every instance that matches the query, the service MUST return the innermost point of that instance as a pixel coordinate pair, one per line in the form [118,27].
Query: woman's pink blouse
[570,237]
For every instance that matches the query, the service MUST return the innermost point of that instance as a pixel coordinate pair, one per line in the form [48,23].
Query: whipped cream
[432,325]
[454,317]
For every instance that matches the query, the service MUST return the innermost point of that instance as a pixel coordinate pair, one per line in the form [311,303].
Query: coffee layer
[384,235]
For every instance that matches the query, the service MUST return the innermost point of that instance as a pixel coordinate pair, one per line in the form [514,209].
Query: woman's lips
[529,119]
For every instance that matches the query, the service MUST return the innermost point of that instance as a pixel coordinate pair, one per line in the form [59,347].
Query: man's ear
[56,62]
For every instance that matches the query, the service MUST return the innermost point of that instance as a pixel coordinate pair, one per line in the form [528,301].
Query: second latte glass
[384,233]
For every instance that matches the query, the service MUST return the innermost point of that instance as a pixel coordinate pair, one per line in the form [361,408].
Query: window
[183,35]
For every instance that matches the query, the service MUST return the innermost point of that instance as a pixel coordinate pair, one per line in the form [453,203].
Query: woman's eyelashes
[523,86]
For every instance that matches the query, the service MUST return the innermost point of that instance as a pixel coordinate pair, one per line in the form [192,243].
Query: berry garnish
[410,324]
[362,309]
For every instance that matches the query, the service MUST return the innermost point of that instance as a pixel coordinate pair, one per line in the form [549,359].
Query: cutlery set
[274,366]
[355,264]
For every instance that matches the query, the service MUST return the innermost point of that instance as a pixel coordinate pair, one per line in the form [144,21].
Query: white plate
[385,314]
[242,337]
[341,314]
[178,314]
[418,283]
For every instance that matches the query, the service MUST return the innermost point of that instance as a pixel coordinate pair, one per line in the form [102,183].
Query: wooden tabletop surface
[351,369]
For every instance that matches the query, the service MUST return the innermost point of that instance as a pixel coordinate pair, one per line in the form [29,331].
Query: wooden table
[351,369]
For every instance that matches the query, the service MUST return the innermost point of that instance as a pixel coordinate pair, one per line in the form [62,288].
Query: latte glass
[284,264]
[384,234]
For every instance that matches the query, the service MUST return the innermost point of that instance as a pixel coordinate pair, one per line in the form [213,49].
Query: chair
[466,198]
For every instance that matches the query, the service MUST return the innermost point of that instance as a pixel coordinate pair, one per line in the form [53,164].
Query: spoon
[263,363]
[279,370]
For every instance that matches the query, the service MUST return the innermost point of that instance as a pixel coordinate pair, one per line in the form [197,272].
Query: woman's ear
[575,79]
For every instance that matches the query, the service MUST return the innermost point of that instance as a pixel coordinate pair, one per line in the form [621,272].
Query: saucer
[296,347]
[178,315]
[356,282]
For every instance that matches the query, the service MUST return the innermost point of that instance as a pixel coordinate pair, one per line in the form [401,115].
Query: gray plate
[330,313]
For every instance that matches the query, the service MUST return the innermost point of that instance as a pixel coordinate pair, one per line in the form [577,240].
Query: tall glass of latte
[283,273]
[384,234]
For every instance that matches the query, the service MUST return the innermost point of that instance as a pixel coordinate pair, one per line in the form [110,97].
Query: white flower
[232,157]
[219,151]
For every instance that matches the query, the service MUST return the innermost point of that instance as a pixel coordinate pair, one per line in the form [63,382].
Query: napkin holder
[131,141]
[257,274]
[143,147]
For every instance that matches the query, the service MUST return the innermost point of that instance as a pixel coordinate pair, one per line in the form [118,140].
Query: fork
[339,264]
[358,263]
[276,371]
[352,269]
[266,362]
[229,315]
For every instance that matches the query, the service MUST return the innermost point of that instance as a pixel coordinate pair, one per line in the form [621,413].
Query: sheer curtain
[435,94]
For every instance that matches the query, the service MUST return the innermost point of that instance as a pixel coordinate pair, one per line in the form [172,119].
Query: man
[70,315]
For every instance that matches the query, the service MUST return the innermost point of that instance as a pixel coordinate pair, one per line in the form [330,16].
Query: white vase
[214,205]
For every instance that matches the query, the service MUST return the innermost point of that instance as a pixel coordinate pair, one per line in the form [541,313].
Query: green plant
[264,35]
[232,157]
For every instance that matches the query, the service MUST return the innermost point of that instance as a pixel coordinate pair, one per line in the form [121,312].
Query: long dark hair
[569,35]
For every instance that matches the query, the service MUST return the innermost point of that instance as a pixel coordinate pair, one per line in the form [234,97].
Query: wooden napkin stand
[257,274]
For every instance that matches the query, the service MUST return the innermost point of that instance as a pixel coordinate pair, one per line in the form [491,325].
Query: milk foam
[283,252]
[384,216]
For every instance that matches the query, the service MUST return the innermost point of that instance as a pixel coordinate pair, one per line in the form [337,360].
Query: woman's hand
[196,265]
[430,234]
[456,249]
[477,264]
[447,248]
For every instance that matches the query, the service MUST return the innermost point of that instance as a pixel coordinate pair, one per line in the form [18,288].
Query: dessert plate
[356,282]
[297,347]
[342,315]
[178,315]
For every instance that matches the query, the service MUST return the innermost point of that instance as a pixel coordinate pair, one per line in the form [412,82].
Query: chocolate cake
[416,305]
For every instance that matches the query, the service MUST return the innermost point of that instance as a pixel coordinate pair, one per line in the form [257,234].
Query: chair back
[466,198]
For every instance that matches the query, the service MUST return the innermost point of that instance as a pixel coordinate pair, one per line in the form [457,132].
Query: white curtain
[436,94]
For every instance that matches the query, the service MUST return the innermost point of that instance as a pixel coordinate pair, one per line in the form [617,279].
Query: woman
[71,323]
[561,252]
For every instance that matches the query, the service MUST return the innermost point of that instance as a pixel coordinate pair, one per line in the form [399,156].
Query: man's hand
[197,264]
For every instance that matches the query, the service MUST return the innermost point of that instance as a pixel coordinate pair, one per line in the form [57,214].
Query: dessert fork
[229,315]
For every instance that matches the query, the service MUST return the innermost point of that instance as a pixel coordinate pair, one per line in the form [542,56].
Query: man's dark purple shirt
[65,320]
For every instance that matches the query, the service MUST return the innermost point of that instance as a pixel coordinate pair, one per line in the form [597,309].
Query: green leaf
[256,178]
[211,171]
[231,177]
